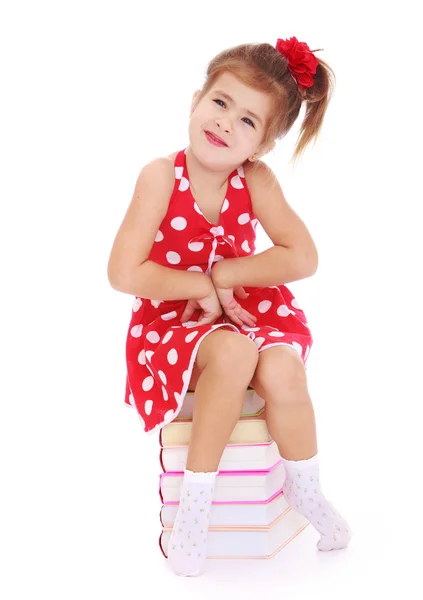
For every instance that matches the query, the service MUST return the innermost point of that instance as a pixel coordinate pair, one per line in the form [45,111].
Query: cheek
[197,120]
[248,133]
[194,124]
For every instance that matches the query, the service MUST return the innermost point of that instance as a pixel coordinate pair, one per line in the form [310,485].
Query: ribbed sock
[303,493]
[187,550]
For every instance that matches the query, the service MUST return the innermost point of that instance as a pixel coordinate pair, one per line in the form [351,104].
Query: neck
[203,178]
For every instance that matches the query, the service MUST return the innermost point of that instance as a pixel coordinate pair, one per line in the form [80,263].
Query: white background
[91,91]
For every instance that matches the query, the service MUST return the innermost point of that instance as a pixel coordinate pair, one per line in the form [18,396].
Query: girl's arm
[293,255]
[153,281]
[129,270]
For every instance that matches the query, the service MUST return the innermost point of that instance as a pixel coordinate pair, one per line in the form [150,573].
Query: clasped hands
[219,301]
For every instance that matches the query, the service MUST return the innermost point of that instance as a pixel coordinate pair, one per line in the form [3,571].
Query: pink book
[235,457]
[231,486]
[249,542]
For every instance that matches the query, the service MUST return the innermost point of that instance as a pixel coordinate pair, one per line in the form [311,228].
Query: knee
[280,377]
[236,354]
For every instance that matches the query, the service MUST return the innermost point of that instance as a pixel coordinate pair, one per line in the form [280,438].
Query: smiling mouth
[214,140]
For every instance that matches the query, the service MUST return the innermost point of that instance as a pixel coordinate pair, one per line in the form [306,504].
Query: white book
[258,542]
[248,430]
[231,486]
[236,457]
[235,514]
[253,405]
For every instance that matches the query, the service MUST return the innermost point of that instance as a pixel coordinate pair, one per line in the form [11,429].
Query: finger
[243,319]
[250,322]
[209,319]
[235,318]
[241,293]
[248,316]
[187,314]
[243,314]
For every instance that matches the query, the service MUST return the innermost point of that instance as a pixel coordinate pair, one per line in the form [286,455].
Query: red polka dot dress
[160,351]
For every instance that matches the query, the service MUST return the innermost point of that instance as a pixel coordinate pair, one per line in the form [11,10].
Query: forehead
[243,95]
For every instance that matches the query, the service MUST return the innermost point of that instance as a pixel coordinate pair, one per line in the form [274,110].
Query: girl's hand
[209,305]
[232,309]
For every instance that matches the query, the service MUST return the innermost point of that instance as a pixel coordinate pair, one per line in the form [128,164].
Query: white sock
[187,550]
[302,492]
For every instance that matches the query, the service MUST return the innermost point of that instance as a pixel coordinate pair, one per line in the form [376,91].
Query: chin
[207,156]
[215,159]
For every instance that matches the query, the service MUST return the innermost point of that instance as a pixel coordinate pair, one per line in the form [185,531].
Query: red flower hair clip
[301,61]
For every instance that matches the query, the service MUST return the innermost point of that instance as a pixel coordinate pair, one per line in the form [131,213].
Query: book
[253,405]
[248,430]
[235,457]
[249,542]
[231,486]
[235,514]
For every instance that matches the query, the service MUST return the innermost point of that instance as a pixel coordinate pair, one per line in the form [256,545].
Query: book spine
[230,473]
[161,460]
[266,501]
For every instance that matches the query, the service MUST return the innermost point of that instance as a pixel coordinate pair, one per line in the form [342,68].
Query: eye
[245,119]
[250,122]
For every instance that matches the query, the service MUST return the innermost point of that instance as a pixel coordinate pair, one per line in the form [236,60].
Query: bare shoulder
[278,219]
[259,175]
[160,174]
[172,157]
[159,171]
[146,211]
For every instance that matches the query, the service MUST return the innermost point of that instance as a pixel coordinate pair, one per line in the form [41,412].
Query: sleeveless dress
[160,351]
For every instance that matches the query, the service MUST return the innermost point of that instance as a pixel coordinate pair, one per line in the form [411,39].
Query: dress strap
[179,169]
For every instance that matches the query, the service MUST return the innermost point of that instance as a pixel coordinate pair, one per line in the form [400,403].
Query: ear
[194,101]
[262,151]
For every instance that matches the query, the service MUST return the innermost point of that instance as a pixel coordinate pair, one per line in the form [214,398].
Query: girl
[224,319]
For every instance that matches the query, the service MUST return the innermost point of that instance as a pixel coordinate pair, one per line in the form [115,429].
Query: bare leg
[293,426]
[227,363]
[280,379]
[218,406]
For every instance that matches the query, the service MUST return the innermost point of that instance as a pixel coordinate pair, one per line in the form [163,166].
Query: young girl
[210,315]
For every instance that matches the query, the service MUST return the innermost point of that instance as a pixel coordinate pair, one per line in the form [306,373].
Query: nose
[224,124]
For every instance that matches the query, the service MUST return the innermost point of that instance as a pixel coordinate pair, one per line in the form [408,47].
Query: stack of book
[249,516]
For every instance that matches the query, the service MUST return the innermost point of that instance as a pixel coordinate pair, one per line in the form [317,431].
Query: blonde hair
[262,67]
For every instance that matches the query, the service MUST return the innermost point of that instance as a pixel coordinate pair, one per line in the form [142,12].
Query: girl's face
[235,113]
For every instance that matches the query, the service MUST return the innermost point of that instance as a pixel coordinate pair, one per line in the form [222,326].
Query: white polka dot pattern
[178,223]
[173,258]
[236,182]
[191,336]
[169,316]
[167,337]
[184,185]
[148,383]
[196,246]
[136,331]
[153,336]
[172,357]
[243,219]
[137,304]
[160,352]
[264,306]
